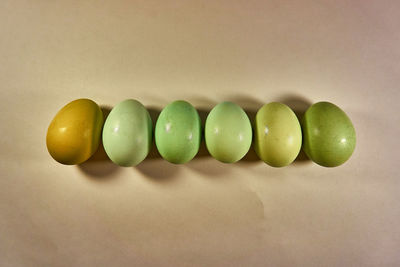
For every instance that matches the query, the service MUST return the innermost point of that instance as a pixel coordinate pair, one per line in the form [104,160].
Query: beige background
[204,213]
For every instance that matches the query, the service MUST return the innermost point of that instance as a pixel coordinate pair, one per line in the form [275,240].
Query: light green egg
[277,134]
[228,132]
[127,133]
[178,132]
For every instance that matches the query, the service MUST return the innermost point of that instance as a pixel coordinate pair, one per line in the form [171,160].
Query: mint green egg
[127,133]
[178,132]
[329,138]
[228,132]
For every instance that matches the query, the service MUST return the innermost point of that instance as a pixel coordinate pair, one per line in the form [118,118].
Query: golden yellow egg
[74,134]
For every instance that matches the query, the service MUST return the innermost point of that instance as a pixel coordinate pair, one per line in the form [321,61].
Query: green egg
[127,133]
[329,138]
[178,132]
[228,132]
[277,134]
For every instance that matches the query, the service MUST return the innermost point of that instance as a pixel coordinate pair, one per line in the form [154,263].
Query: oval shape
[74,133]
[277,134]
[329,137]
[178,132]
[127,133]
[228,132]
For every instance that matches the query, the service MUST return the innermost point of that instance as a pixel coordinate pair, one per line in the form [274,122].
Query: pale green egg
[277,134]
[228,132]
[127,133]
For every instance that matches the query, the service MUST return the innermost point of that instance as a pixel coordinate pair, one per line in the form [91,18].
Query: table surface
[204,213]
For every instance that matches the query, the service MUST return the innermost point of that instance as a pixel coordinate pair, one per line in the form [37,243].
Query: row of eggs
[325,132]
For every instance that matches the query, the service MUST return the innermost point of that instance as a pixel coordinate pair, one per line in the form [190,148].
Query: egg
[329,137]
[277,134]
[228,132]
[178,132]
[74,134]
[127,133]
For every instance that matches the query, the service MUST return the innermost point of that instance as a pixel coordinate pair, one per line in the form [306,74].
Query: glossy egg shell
[228,132]
[329,137]
[74,134]
[127,133]
[277,134]
[178,132]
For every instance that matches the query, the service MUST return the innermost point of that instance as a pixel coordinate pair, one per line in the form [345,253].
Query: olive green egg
[329,137]
[178,132]
[127,133]
[277,134]
[228,132]
[74,133]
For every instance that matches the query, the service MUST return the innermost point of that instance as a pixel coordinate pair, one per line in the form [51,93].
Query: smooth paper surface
[204,213]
